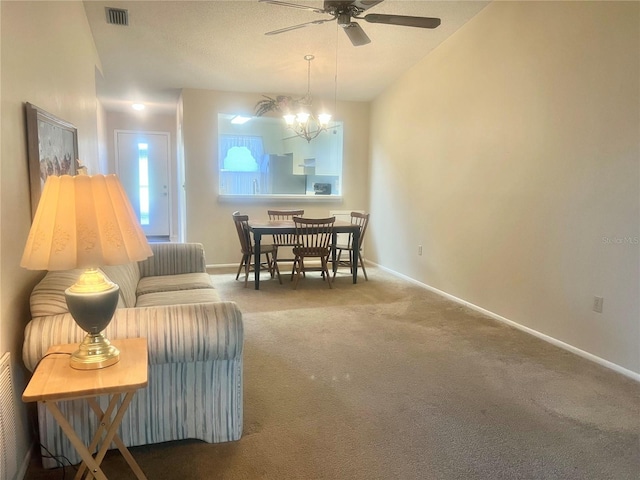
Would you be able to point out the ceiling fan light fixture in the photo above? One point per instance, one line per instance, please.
(344, 20)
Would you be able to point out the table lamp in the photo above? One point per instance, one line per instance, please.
(85, 222)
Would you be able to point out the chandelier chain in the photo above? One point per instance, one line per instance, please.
(307, 97)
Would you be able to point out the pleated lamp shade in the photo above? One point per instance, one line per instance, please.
(84, 221)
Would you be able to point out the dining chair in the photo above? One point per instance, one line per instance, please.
(361, 219)
(313, 238)
(248, 261)
(286, 240)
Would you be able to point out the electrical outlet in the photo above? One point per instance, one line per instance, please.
(419, 249)
(597, 304)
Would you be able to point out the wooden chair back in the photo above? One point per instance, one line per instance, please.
(362, 220)
(284, 239)
(313, 236)
(244, 234)
(284, 214)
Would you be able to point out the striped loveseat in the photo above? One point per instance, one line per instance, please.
(195, 344)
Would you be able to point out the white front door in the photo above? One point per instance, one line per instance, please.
(142, 164)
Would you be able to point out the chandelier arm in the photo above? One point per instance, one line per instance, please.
(302, 130)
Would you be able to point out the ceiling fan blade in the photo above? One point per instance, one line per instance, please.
(302, 25)
(293, 5)
(356, 34)
(406, 21)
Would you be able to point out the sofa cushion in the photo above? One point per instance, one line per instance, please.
(170, 283)
(173, 259)
(126, 277)
(178, 297)
(47, 297)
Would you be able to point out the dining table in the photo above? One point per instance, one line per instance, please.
(275, 227)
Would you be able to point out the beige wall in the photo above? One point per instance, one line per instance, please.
(48, 59)
(208, 219)
(511, 153)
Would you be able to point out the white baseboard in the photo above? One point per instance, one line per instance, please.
(554, 341)
(221, 265)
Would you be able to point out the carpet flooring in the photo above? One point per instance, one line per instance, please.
(386, 380)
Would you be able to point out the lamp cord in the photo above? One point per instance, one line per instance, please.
(48, 355)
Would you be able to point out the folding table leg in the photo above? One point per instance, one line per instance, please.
(111, 428)
(91, 463)
(117, 440)
(103, 418)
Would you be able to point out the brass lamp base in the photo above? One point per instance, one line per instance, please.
(94, 352)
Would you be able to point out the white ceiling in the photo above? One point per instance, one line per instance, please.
(220, 45)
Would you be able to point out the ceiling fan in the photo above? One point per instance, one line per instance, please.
(345, 10)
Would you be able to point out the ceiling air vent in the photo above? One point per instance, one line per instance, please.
(117, 16)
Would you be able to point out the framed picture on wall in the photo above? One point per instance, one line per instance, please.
(52, 149)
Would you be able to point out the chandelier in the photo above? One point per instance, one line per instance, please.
(303, 123)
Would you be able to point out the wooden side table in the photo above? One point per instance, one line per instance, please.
(54, 380)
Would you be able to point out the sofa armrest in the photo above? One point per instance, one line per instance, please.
(175, 333)
(173, 259)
